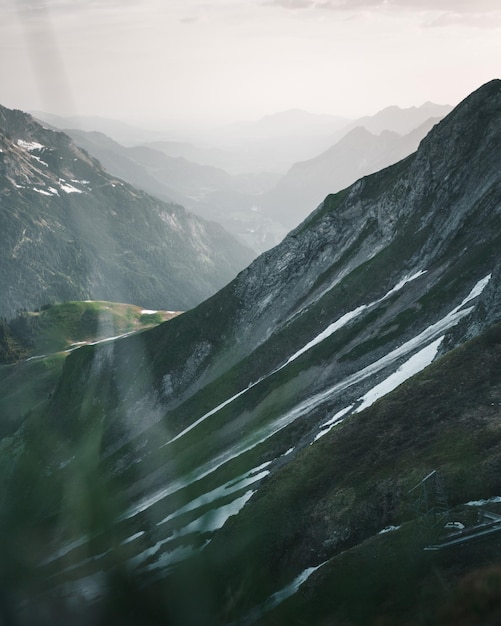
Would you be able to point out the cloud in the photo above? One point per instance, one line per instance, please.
(66, 6)
(292, 4)
(471, 20)
(453, 6)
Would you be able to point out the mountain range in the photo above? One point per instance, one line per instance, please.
(359, 153)
(261, 458)
(260, 208)
(71, 231)
(272, 143)
(208, 191)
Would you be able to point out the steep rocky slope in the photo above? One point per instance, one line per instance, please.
(71, 231)
(227, 454)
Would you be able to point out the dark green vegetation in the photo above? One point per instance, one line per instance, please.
(356, 481)
(70, 231)
(186, 474)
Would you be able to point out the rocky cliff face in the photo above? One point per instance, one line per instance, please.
(260, 402)
(71, 231)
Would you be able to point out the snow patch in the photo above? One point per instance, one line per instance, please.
(412, 366)
(338, 417)
(29, 145)
(388, 529)
(168, 559)
(33, 156)
(66, 187)
(278, 597)
(330, 330)
(133, 537)
(252, 476)
(493, 500)
(215, 519)
(209, 522)
(403, 282)
(211, 412)
(232, 486)
(477, 289)
(42, 192)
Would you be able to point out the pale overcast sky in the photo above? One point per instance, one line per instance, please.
(228, 60)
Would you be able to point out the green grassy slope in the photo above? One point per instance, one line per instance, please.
(327, 504)
(43, 339)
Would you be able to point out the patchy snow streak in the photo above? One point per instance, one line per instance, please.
(211, 412)
(493, 500)
(336, 419)
(347, 317)
(412, 366)
(232, 486)
(29, 145)
(237, 484)
(207, 523)
(67, 188)
(278, 597)
(388, 529)
(42, 192)
(330, 330)
(33, 156)
(133, 537)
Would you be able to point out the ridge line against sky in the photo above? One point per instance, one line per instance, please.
(216, 61)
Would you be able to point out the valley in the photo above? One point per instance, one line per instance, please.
(260, 179)
(253, 460)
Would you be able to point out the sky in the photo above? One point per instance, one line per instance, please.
(196, 62)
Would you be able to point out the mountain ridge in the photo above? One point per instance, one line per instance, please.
(251, 291)
(71, 231)
(358, 153)
(220, 428)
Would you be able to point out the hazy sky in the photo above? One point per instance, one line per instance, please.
(226, 60)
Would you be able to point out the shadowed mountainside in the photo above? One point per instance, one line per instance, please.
(70, 231)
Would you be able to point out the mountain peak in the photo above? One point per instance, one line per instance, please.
(485, 99)
(473, 125)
